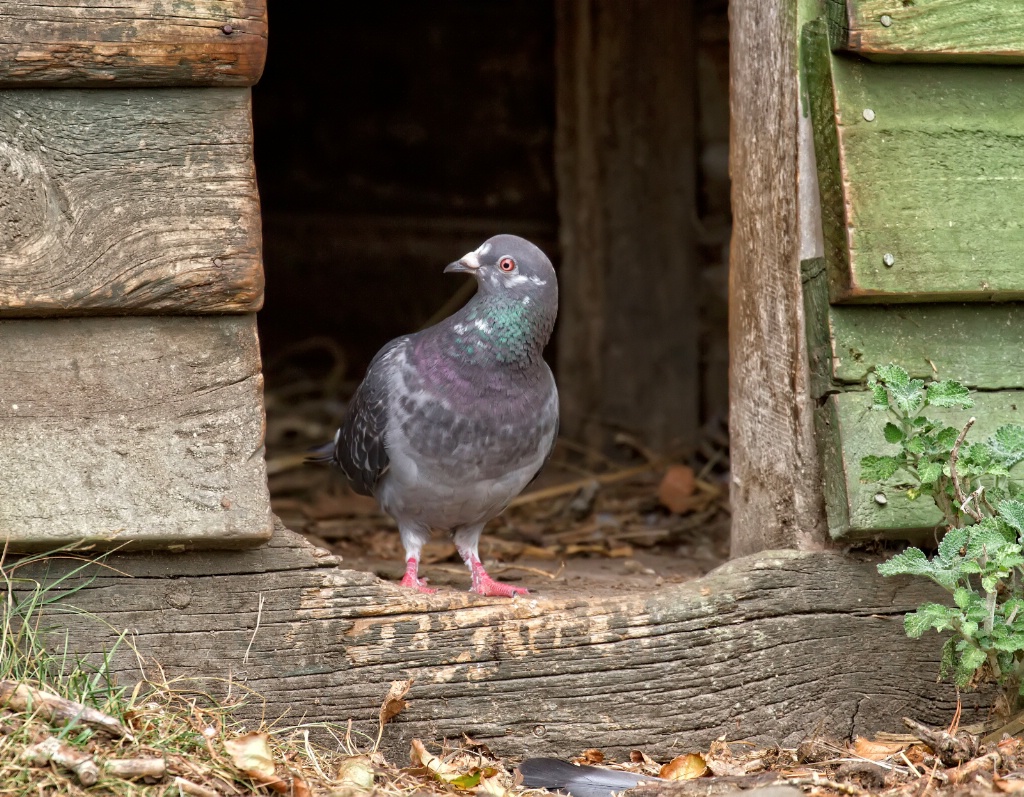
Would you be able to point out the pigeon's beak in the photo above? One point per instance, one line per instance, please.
(468, 263)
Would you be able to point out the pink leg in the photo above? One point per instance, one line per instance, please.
(483, 584)
(412, 580)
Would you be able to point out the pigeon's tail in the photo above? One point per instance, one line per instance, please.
(578, 781)
(322, 455)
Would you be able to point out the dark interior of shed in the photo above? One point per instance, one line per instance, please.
(393, 137)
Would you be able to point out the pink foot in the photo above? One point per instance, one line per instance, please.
(412, 580)
(483, 584)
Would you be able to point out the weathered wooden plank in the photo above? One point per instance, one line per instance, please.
(767, 648)
(132, 43)
(967, 342)
(849, 429)
(921, 174)
(141, 430)
(776, 497)
(625, 162)
(128, 201)
(980, 31)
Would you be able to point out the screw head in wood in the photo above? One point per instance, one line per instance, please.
(888, 259)
(886, 20)
(228, 30)
(869, 115)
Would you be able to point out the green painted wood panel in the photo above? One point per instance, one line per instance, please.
(983, 31)
(848, 429)
(981, 345)
(921, 171)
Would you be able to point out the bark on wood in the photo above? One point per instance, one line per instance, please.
(767, 648)
(988, 31)
(132, 430)
(850, 430)
(940, 221)
(128, 201)
(132, 43)
(776, 496)
(628, 356)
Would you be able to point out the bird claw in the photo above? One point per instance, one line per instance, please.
(485, 585)
(419, 584)
(411, 579)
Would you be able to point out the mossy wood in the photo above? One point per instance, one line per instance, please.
(548, 674)
(141, 431)
(921, 175)
(128, 201)
(132, 43)
(929, 30)
(849, 429)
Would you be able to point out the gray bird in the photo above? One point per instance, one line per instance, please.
(452, 422)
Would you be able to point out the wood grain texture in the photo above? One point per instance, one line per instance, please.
(128, 201)
(920, 162)
(767, 649)
(625, 163)
(132, 42)
(776, 495)
(985, 31)
(140, 430)
(850, 429)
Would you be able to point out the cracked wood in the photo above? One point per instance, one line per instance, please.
(767, 648)
(146, 431)
(132, 43)
(128, 201)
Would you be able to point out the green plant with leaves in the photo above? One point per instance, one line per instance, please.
(980, 559)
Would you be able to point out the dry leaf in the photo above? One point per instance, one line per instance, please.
(420, 756)
(685, 767)
(648, 765)
(1007, 786)
(299, 787)
(589, 756)
(492, 785)
(393, 703)
(356, 771)
(721, 762)
(251, 754)
(676, 489)
(877, 751)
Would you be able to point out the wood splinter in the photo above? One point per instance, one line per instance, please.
(52, 750)
(54, 708)
(135, 768)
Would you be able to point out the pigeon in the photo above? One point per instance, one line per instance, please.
(578, 781)
(452, 422)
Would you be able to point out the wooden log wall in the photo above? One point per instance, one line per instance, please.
(132, 43)
(662, 671)
(136, 199)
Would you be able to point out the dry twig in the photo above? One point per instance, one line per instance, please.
(957, 487)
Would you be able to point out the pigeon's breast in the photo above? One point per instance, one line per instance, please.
(462, 443)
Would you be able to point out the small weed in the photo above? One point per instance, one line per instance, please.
(980, 559)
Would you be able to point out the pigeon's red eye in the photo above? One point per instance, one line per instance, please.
(507, 264)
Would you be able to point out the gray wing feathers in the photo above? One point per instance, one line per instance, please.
(359, 448)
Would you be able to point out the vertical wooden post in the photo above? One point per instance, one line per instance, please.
(625, 160)
(776, 487)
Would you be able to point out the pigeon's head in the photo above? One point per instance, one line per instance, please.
(511, 266)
